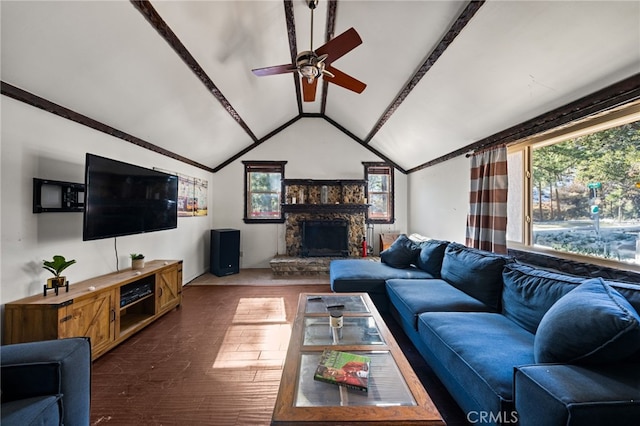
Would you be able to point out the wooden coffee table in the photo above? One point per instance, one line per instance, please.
(395, 396)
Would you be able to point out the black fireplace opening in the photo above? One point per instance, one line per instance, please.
(324, 238)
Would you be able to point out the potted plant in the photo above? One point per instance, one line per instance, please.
(137, 260)
(56, 266)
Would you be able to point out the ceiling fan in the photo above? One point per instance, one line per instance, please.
(313, 64)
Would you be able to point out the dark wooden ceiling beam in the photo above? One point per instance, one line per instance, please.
(156, 21)
(64, 112)
(329, 33)
(446, 41)
(611, 97)
(293, 48)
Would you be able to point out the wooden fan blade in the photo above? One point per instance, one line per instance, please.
(309, 90)
(344, 80)
(278, 69)
(340, 45)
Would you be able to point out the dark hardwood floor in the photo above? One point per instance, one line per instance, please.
(216, 360)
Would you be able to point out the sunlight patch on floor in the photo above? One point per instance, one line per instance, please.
(258, 337)
(260, 309)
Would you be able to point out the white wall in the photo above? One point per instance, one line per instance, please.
(313, 149)
(35, 143)
(438, 200)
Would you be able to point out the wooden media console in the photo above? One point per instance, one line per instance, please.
(108, 309)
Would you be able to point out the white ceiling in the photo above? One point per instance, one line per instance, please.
(513, 61)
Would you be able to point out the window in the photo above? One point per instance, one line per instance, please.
(263, 191)
(577, 191)
(379, 192)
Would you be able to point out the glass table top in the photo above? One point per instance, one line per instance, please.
(317, 304)
(387, 387)
(355, 331)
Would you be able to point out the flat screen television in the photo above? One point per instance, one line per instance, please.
(125, 199)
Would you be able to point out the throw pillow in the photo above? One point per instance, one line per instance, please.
(401, 254)
(593, 323)
(431, 255)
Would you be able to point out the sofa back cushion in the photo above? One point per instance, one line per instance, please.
(630, 291)
(431, 256)
(476, 272)
(529, 293)
(593, 323)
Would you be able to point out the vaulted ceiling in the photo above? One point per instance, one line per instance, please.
(442, 77)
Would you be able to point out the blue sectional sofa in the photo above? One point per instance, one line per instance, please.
(511, 342)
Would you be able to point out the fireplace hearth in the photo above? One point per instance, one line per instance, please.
(324, 238)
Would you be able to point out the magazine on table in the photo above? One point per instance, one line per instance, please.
(344, 369)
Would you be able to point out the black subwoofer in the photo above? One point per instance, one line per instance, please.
(225, 251)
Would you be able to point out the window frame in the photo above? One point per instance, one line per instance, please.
(262, 167)
(600, 122)
(369, 168)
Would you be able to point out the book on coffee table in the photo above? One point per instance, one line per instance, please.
(344, 369)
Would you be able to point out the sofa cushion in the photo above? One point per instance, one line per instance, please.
(402, 253)
(482, 348)
(38, 410)
(476, 272)
(431, 255)
(593, 323)
(413, 297)
(367, 275)
(528, 293)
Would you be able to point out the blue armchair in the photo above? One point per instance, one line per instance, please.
(46, 383)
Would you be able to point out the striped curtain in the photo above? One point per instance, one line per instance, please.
(487, 219)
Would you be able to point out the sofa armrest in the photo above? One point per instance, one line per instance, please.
(48, 368)
(572, 395)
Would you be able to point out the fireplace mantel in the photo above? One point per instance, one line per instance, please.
(330, 182)
(325, 208)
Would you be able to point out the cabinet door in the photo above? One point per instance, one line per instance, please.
(92, 317)
(169, 289)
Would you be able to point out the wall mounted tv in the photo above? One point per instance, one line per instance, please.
(124, 199)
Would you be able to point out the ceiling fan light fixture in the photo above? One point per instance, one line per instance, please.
(309, 72)
(311, 64)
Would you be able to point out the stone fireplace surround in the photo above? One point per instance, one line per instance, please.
(345, 201)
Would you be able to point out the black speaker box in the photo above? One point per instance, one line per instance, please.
(225, 251)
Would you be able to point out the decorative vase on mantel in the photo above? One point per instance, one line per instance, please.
(324, 194)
